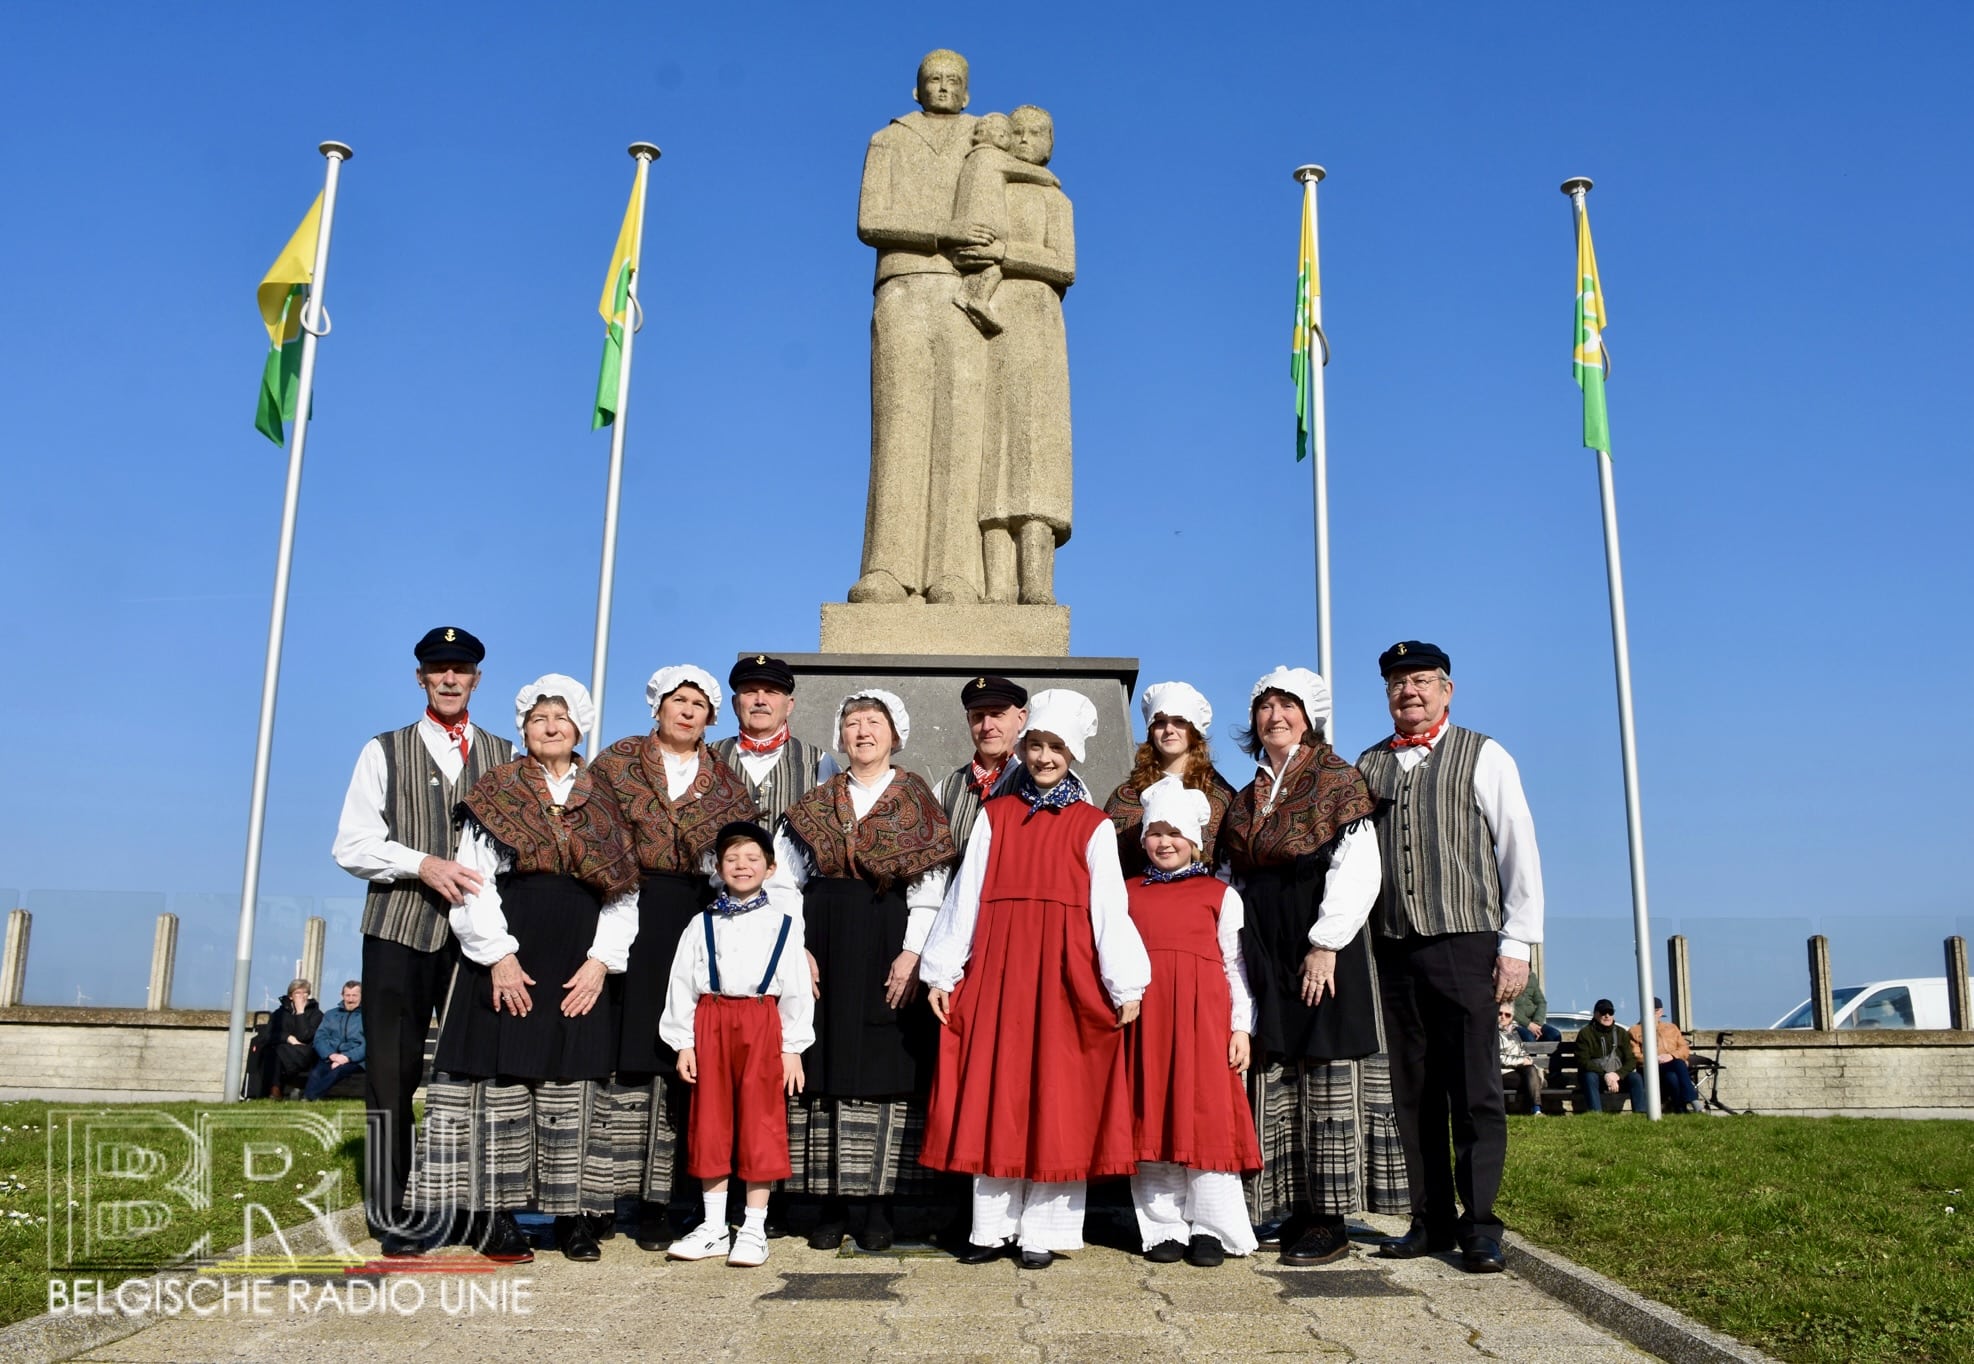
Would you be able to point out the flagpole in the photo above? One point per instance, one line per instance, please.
(1578, 189)
(1319, 358)
(315, 323)
(644, 153)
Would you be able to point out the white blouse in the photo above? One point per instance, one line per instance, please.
(1350, 887)
(481, 925)
(794, 865)
(744, 942)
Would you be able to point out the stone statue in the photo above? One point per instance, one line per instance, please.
(969, 469)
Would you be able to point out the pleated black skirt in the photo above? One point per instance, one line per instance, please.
(1281, 904)
(864, 1048)
(666, 904)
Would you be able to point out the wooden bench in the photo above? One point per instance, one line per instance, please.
(1559, 1089)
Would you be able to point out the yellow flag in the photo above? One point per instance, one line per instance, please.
(611, 305)
(294, 266)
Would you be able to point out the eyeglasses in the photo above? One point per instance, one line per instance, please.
(1423, 682)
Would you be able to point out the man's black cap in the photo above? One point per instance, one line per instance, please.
(1410, 655)
(756, 669)
(990, 690)
(744, 831)
(449, 644)
(1603, 1006)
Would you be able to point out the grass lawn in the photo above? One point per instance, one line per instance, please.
(327, 1161)
(1815, 1239)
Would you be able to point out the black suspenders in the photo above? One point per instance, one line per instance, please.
(713, 956)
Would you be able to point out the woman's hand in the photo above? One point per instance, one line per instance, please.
(901, 986)
(510, 987)
(815, 976)
(583, 988)
(792, 1078)
(1319, 975)
(1127, 1013)
(1239, 1047)
(689, 1065)
(938, 998)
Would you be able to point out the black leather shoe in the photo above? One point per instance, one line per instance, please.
(573, 1235)
(1283, 1233)
(1206, 1252)
(1320, 1245)
(979, 1255)
(875, 1234)
(505, 1243)
(826, 1236)
(602, 1225)
(1166, 1253)
(654, 1228)
(394, 1245)
(1417, 1241)
(1037, 1259)
(1482, 1255)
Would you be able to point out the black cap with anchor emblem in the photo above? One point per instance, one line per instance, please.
(449, 644)
(1411, 655)
(761, 670)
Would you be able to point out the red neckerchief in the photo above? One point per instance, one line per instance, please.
(768, 745)
(1426, 740)
(982, 779)
(456, 733)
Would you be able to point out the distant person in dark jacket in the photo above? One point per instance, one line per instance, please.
(1604, 1063)
(284, 1052)
(338, 1043)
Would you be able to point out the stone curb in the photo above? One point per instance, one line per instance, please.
(1649, 1325)
(48, 1337)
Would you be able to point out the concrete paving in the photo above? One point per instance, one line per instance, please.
(803, 1305)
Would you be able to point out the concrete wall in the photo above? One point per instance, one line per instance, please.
(1887, 1073)
(109, 1055)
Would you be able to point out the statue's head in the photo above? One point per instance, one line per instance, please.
(995, 129)
(1034, 134)
(941, 82)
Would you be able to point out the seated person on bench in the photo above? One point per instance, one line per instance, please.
(1519, 1073)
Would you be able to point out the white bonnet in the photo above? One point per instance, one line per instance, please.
(1069, 715)
(894, 706)
(574, 695)
(666, 681)
(1180, 700)
(1170, 801)
(1306, 687)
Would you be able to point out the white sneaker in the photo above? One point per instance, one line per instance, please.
(750, 1248)
(703, 1242)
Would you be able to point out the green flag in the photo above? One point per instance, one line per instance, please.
(615, 306)
(281, 295)
(1591, 362)
(1302, 361)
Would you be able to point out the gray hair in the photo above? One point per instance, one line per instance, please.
(299, 983)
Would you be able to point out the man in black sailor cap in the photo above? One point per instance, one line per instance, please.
(996, 712)
(779, 768)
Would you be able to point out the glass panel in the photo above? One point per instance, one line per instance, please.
(1890, 1007)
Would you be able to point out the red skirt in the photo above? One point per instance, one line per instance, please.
(1031, 1081)
(1190, 1108)
(739, 1121)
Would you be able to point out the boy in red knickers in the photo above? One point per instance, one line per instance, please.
(739, 1013)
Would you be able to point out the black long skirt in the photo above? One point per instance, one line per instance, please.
(553, 917)
(666, 904)
(864, 1048)
(1281, 904)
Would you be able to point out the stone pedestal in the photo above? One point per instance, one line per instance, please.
(930, 686)
(969, 631)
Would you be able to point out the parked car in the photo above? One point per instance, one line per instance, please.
(1920, 1002)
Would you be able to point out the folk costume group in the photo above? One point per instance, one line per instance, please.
(754, 965)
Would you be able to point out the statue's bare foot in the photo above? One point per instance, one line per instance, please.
(988, 324)
(1038, 596)
(952, 592)
(878, 586)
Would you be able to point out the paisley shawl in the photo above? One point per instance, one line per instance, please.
(1126, 809)
(1321, 796)
(671, 835)
(584, 837)
(904, 834)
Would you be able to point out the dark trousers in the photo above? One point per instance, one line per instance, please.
(402, 989)
(324, 1077)
(1441, 1032)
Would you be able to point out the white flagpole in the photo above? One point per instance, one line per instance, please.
(1319, 357)
(645, 153)
(1578, 188)
(315, 324)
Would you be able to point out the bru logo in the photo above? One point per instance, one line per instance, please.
(140, 1190)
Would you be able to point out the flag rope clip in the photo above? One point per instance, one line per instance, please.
(1316, 330)
(637, 312)
(321, 312)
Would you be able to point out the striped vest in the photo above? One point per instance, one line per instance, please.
(1440, 872)
(961, 802)
(418, 805)
(797, 771)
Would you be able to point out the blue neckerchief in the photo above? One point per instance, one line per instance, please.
(1060, 796)
(725, 904)
(1155, 877)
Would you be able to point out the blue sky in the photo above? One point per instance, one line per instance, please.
(1781, 216)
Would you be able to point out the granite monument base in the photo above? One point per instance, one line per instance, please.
(917, 627)
(930, 687)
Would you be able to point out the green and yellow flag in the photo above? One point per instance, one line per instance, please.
(615, 305)
(282, 292)
(1302, 359)
(1590, 360)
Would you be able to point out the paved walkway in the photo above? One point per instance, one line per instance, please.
(804, 1305)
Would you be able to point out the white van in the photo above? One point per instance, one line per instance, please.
(1919, 1003)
